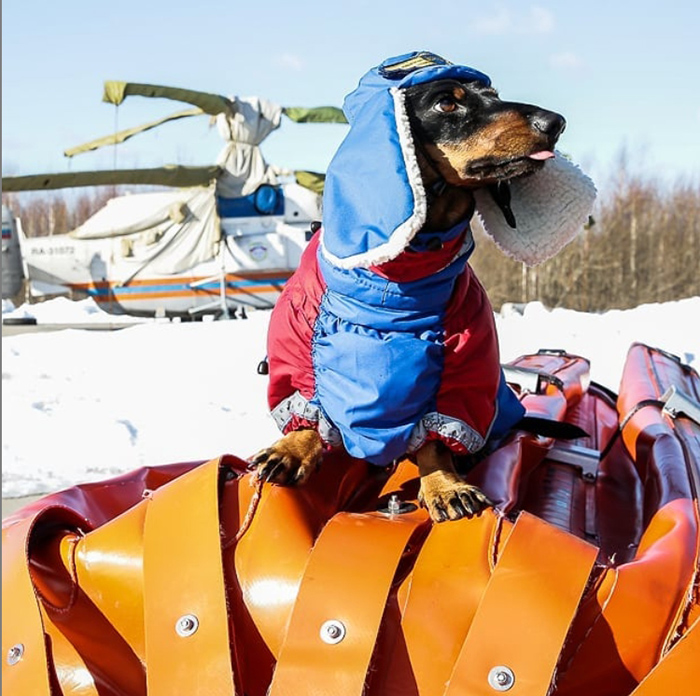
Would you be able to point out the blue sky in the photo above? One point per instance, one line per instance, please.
(623, 74)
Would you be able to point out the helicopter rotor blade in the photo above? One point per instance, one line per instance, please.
(317, 114)
(173, 175)
(115, 92)
(127, 133)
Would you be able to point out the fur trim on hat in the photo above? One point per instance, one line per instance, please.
(402, 235)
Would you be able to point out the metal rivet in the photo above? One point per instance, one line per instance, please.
(395, 506)
(501, 678)
(332, 631)
(187, 625)
(14, 654)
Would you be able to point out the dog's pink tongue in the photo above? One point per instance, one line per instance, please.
(541, 155)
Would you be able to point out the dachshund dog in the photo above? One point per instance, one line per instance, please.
(464, 138)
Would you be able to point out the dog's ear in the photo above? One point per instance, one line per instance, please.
(500, 192)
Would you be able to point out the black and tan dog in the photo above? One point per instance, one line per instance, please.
(419, 372)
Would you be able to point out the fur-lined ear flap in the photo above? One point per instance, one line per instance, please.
(500, 192)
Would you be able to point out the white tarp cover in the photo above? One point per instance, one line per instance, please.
(168, 232)
(241, 159)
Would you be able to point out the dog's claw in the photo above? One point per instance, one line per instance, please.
(294, 477)
(270, 465)
(461, 508)
(261, 459)
(274, 470)
(289, 461)
(473, 501)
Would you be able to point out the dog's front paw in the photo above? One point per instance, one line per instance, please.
(291, 460)
(446, 497)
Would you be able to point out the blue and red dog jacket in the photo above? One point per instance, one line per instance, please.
(384, 338)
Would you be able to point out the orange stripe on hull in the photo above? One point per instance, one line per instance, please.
(164, 295)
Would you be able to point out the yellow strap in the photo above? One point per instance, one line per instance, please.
(186, 618)
(24, 665)
(340, 604)
(524, 615)
(678, 672)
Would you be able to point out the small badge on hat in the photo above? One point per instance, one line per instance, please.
(399, 70)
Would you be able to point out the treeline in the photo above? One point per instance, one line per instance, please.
(58, 212)
(643, 245)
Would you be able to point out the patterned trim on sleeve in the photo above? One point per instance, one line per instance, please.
(296, 408)
(455, 433)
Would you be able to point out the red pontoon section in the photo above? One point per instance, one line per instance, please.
(193, 579)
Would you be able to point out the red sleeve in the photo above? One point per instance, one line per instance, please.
(291, 328)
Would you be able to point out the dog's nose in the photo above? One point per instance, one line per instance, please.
(549, 123)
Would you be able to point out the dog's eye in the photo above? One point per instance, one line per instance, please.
(446, 104)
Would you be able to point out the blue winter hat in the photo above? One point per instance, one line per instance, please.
(374, 201)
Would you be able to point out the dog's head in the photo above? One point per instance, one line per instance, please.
(473, 138)
(419, 123)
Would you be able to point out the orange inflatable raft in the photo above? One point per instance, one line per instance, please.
(193, 579)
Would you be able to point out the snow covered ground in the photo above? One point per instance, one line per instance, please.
(85, 405)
